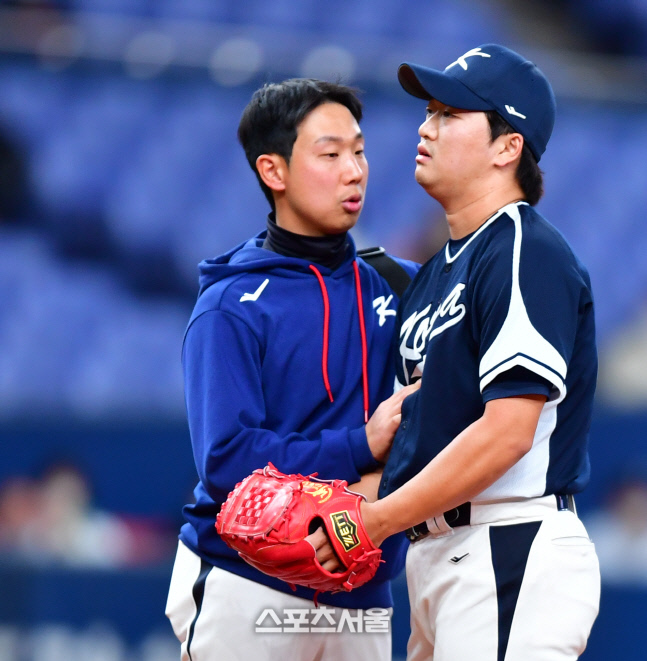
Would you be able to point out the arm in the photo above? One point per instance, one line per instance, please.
(473, 461)
(368, 485)
(224, 390)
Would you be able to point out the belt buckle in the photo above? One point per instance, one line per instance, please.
(415, 533)
(565, 502)
(412, 534)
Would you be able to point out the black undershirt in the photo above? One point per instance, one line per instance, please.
(329, 251)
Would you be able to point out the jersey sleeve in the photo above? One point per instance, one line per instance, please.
(526, 302)
(516, 381)
(222, 360)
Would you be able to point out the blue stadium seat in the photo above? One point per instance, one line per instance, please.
(618, 26)
(74, 342)
(198, 10)
(133, 7)
(32, 102)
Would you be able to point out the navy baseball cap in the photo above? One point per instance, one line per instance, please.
(491, 77)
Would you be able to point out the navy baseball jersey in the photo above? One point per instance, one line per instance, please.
(505, 311)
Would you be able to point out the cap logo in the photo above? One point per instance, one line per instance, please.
(462, 60)
(512, 111)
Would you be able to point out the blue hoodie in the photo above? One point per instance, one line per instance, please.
(281, 364)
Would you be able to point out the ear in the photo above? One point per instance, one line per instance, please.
(509, 148)
(272, 170)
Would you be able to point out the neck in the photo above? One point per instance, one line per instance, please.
(463, 218)
(285, 217)
(329, 251)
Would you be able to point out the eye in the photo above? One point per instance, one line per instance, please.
(359, 152)
(330, 155)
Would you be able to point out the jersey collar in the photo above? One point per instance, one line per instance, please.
(449, 258)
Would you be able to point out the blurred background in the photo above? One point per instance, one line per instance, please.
(120, 171)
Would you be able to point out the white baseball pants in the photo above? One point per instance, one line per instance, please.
(521, 583)
(219, 616)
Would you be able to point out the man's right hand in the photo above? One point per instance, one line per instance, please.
(381, 428)
(324, 550)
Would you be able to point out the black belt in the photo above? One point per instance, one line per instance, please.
(460, 516)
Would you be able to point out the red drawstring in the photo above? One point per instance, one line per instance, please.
(324, 357)
(362, 330)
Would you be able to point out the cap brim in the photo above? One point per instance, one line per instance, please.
(429, 84)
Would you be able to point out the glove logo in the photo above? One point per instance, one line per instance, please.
(345, 529)
(318, 490)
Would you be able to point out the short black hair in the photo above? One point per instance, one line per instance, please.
(269, 122)
(529, 176)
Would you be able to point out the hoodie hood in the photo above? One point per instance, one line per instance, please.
(250, 256)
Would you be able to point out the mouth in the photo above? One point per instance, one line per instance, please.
(352, 204)
(423, 155)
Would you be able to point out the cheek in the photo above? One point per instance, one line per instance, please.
(313, 187)
(469, 152)
(321, 182)
(451, 158)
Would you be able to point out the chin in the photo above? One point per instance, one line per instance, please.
(419, 173)
(345, 224)
(351, 224)
(423, 180)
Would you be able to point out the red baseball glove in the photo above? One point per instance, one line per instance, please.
(268, 515)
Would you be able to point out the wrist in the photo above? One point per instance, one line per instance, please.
(376, 524)
(361, 450)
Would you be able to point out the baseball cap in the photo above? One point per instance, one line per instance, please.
(491, 77)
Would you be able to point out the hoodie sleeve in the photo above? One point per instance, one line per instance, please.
(222, 360)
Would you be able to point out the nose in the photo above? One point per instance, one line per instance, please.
(355, 169)
(429, 128)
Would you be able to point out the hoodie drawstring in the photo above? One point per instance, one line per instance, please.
(362, 328)
(324, 357)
